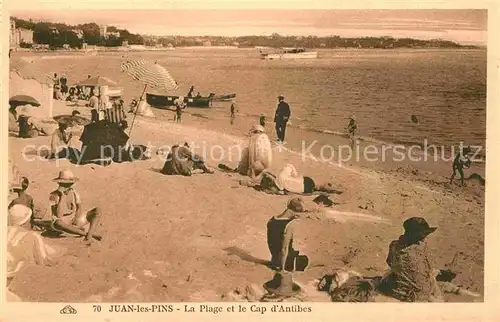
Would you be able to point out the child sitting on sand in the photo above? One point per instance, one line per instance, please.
(67, 214)
(23, 198)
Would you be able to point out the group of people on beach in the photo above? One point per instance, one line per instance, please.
(412, 275)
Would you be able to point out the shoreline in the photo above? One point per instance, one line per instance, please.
(187, 209)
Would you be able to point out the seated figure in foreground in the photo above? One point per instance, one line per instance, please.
(67, 213)
(412, 275)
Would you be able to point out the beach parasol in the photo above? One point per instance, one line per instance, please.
(18, 100)
(97, 81)
(150, 74)
(72, 120)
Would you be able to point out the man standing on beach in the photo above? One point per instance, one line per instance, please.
(281, 117)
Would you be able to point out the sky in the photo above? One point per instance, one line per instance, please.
(465, 26)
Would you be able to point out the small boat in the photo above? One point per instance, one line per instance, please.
(290, 53)
(163, 101)
(224, 97)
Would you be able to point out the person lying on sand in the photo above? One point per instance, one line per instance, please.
(67, 213)
(412, 271)
(460, 162)
(289, 182)
(181, 161)
(257, 157)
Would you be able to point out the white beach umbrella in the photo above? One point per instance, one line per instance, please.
(150, 74)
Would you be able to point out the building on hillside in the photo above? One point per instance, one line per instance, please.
(103, 30)
(18, 36)
(78, 33)
(112, 33)
(25, 36)
(13, 39)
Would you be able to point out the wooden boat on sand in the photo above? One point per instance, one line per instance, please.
(164, 101)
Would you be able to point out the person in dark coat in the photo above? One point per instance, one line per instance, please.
(281, 118)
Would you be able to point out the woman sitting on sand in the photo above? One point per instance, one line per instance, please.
(59, 144)
(182, 161)
(257, 157)
(67, 213)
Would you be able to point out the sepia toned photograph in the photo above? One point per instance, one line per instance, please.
(251, 155)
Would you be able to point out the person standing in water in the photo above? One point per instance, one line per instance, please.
(352, 127)
(281, 117)
(233, 110)
(460, 162)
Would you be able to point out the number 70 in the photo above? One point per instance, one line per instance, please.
(97, 308)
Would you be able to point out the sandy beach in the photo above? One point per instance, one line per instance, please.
(173, 238)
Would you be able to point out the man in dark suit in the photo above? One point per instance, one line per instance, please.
(281, 117)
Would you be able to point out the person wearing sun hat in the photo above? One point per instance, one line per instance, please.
(67, 213)
(412, 271)
(280, 235)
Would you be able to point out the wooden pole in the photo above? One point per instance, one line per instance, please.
(136, 109)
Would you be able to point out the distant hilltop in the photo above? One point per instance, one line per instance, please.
(59, 35)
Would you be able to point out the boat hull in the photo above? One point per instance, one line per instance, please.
(160, 101)
(224, 97)
(306, 55)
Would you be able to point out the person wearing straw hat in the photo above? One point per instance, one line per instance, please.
(67, 213)
(412, 271)
(280, 234)
(281, 118)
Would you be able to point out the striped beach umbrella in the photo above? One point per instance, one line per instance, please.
(151, 74)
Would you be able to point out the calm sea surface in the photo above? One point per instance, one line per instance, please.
(445, 89)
